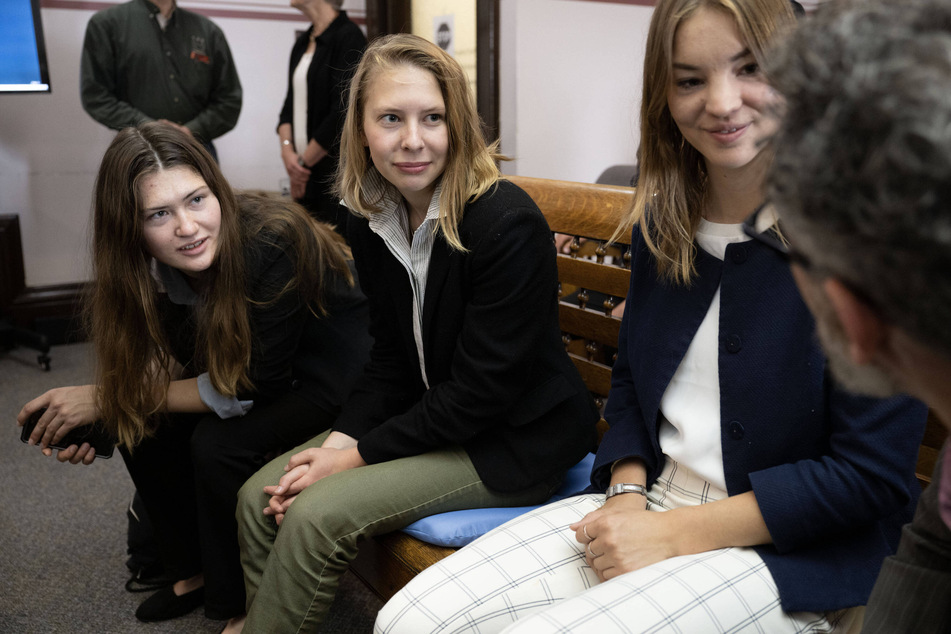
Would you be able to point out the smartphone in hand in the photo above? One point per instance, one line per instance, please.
(94, 434)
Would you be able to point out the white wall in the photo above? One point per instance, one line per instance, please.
(570, 82)
(50, 148)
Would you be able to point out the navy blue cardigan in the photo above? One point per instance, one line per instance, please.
(833, 473)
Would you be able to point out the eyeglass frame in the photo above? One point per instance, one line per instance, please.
(772, 240)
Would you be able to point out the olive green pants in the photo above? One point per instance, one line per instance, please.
(292, 572)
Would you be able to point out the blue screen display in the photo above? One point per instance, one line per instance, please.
(22, 51)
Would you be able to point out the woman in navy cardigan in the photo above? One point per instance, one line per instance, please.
(738, 487)
(469, 399)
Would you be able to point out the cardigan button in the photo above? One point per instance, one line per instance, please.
(737, 431)
(295, 384)
(738, 253)
(734, 343)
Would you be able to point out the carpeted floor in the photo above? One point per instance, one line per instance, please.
(62, 529)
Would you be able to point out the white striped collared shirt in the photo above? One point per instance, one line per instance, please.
(412, 251)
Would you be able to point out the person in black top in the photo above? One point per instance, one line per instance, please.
(145, 61)
(322, 62)
(227, 328)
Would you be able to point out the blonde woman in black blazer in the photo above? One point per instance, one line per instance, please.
(468, 399)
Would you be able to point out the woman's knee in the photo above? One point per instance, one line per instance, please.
(400, 617)
(208, 444)
(252, 492)
(252, 499)
(318, 516)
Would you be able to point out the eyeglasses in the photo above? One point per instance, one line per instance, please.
(771, 238)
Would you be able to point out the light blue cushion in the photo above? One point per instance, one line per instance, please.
(457, 528)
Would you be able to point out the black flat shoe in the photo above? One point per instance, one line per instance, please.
(139, 583)
(165, 605)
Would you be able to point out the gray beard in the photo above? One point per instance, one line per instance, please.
(865, 379)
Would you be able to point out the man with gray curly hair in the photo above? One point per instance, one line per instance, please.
(862, 184)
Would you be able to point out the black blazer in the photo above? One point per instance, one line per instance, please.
(291, 348)
(501, 384)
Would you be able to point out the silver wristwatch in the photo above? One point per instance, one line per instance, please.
(623, 487)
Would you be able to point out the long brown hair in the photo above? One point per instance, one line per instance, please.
(471, 167)
(134, 362)
(668, 202)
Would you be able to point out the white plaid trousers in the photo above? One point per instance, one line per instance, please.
(529, 577)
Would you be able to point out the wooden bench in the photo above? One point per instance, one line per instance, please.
(593, 269)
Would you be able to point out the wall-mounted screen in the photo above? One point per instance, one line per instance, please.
(23, 65)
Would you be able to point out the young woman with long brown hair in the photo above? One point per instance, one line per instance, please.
(226, 327)
(738, 488)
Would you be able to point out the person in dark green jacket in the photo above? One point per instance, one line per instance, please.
(145, 61)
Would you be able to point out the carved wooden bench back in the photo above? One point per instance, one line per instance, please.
(593, 278)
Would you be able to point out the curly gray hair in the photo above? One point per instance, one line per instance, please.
(862, 174)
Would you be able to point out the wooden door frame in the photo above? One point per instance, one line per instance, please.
(395, 16)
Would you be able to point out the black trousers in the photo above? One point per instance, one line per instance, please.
(188, 475)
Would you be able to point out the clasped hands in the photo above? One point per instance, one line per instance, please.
(297, 166)
(337, 453)
(297, 171)
(623, 536)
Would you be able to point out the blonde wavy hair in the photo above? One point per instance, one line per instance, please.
(668, 202)
(471, 167)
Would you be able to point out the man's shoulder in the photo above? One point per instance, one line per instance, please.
(192, 18)
(121, 11)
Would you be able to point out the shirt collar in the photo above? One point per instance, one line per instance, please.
(377, 188)
(155, 11)
(175, 284)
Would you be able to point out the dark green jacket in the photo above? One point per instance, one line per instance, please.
(132, 71)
